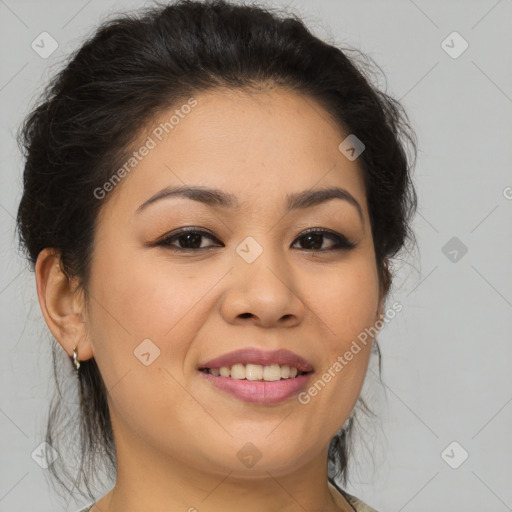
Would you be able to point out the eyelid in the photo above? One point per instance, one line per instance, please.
(165, 240)
(347, 243)
(343, 242)
(184, 231)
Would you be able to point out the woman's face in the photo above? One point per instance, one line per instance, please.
(252, 279)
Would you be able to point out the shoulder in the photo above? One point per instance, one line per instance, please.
(358, 505)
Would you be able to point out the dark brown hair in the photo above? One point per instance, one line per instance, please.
(137, 66)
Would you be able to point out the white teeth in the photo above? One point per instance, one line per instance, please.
(238, 371)
(270, 373)
(253, 372)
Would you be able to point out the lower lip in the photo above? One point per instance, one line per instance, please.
(259, 392)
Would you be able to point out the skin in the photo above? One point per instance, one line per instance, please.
(177, 437)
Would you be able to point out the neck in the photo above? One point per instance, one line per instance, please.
(148, 481)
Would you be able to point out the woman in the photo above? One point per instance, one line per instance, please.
(212, 197)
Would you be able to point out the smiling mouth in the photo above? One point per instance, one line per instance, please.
(256, 372)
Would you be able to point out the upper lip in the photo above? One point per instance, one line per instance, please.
(256, 356)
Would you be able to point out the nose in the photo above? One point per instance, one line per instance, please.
(263, 293)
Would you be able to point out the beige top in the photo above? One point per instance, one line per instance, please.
(358, 505)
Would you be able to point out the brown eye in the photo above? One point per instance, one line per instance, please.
(314, 238)
(188, 239)
(191, 239)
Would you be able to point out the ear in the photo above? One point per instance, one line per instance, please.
(380, 310)
(384, 286)
(62, 307)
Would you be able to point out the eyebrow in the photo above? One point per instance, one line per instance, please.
(218, 198)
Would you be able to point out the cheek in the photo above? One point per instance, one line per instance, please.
(347, 301)
(133, 293)
(133, 302)
(347, 305)
(137, 298)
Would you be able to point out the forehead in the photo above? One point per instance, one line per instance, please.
(255, 145)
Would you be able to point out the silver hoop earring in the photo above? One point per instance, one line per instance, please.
(76, 362)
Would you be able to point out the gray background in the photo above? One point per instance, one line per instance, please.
(446, 356)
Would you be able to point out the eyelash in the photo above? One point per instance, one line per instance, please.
(342, 243)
